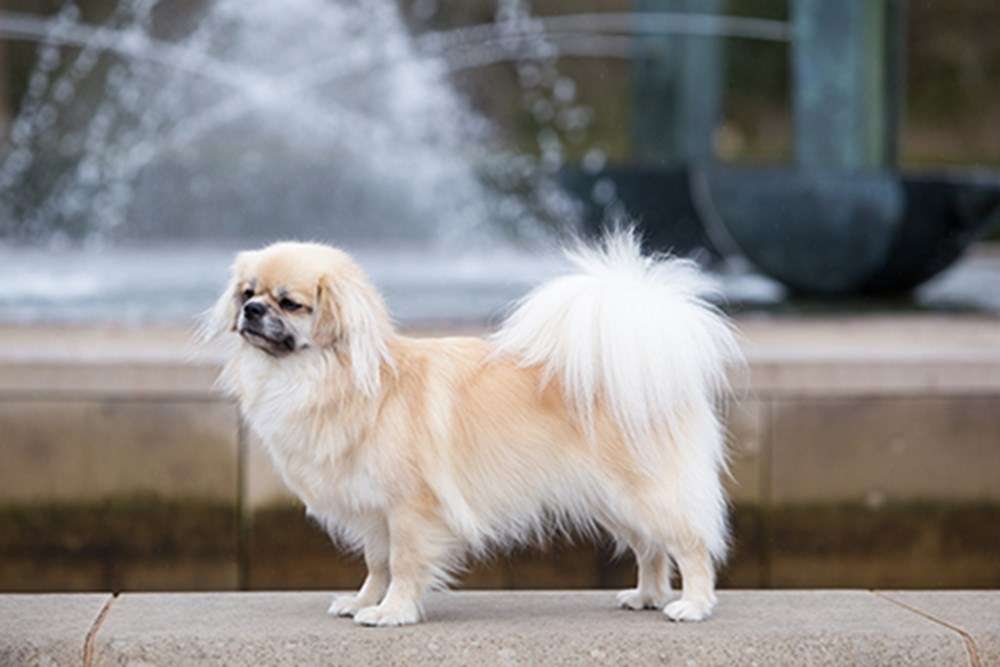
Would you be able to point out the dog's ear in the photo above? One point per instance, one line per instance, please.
(327, 326)
(351, 320)
(222, 316)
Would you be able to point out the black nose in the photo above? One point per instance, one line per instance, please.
(253, 310)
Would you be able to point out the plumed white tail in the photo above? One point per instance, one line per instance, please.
(636, 331)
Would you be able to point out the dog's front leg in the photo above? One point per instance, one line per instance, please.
(376, 540)
(420, 546)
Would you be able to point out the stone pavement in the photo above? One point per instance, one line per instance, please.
(812, 627)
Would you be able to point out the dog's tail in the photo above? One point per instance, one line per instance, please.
(635, 332)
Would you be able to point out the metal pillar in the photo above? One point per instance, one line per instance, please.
(677, 89)
(847, 75)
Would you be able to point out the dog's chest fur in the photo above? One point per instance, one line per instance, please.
(313, 453)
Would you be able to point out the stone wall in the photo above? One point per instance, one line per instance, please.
(858, 460)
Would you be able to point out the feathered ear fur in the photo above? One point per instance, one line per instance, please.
(221, 317)
(352, 320)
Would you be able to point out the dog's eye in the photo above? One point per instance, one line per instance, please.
(289, 305)
(247, 294)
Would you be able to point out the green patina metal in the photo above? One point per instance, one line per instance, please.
(676, 89)
(846, 62)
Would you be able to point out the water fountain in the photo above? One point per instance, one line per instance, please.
(247, 127)
(204, 122)
(150, 145)
(844, 220)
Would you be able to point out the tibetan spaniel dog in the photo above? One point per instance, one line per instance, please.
(594, 407)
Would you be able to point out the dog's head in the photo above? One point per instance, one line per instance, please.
(291, 297)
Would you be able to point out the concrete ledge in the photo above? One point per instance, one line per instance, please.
(558, 628)
(899, 355)
(48, 629)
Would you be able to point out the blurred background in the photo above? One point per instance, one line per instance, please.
(836, 165)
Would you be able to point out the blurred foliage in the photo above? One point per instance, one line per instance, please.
(757, 123)
(953, 86)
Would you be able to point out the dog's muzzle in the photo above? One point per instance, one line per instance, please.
(259, 327)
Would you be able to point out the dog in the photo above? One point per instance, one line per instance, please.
(595, 407)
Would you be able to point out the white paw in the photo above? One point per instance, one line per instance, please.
(384, 616)
(633, 598)
(688, 610)
(346, 605)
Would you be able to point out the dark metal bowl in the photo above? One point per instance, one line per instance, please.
(657, 200)
(823, 233)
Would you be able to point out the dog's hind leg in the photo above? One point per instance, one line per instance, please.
(661, 530)
(691, 513)
(667, 534)
(375, 533)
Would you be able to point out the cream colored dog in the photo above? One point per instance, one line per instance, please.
(593, 407)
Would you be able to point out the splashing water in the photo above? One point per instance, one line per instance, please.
(245, 122)
(306, 117)
(302, 118)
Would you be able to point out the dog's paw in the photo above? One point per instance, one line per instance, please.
(688, 610)
(346, 605)
(635, 599)
(383, 616)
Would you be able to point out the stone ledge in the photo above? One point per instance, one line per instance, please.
(906, 355)
(552, 628)
(48, 629)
